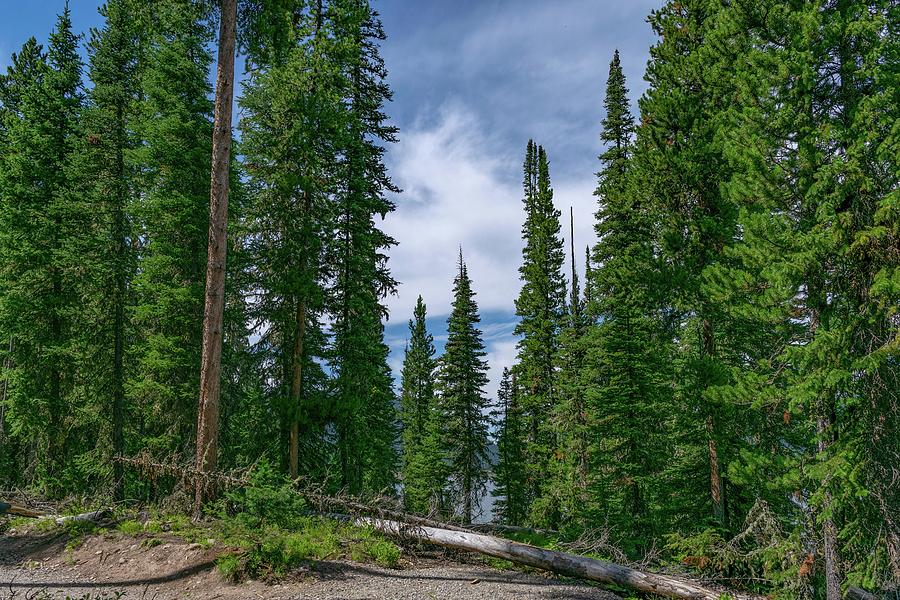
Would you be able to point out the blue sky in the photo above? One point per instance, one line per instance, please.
(473, 80)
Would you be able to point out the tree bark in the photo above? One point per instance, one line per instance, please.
(214, 306)
(571, 565)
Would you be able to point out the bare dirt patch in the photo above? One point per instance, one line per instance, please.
(111, 566)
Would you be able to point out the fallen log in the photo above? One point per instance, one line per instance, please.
(496, 527)
(92, 516)
(857, 593)
(8, 508)
(571, 565)
(358, 508)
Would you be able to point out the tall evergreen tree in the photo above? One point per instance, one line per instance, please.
(622, 364)
(176, 128)
(461, 380)
(540, 307)
(41, 222)
(289, 101)
(680, 157)
(365, 411)
(571, 415)
(423, 462)
(814, 256)
(109, 156)
(510, 506)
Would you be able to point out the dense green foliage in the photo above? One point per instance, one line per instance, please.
(462, 375)
(423, 458)
(724, 389)
(540, 307)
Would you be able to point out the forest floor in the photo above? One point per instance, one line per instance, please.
(109, 565)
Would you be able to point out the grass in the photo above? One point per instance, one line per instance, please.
(274, 551)
(269, 548)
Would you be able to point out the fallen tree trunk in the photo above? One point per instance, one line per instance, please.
(562, 563)
(8, 508)
(496, 527)
(856, 593)
(93, 516)
(22, 511)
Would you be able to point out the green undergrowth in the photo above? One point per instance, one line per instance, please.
(266, 532)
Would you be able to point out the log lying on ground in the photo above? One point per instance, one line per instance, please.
(857, 593)
(8, 508)
(571, 565)
(92, 516)
(22, 511)
(495, 527)
(360, 508)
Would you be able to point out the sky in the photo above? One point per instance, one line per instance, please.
(473, 81)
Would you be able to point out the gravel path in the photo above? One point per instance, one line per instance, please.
(110, 568)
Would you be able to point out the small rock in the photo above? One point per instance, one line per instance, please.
(98, 552)
(133, 547)
(122, 561)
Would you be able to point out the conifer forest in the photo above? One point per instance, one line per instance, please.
(195, 271)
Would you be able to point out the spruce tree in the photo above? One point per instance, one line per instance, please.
(622, 365)
(510, 506)
(289, 151)
(461, 380)
(682, 168)
(570, 418)
(423, 462)
(172, 218)
(109, 162)
(810, 275)
(365, 402)
(540, 307)
(41, 224)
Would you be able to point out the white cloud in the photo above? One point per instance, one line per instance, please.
(456, 193)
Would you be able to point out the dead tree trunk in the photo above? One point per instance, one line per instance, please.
(214, 306)
(562, 563)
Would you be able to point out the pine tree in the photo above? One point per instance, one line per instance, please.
(510, 506)
(110, 124)
(461, 380)
(540, 307)
(622, 366)
(804, 281)
(172, 217)
(570, 418)
(365, 414)
(682, 170)
(289, 150)
(41, 222)
(423, 462)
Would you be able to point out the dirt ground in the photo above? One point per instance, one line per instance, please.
(109, 567)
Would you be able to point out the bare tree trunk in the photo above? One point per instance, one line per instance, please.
(563, 563)
(211, 360)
